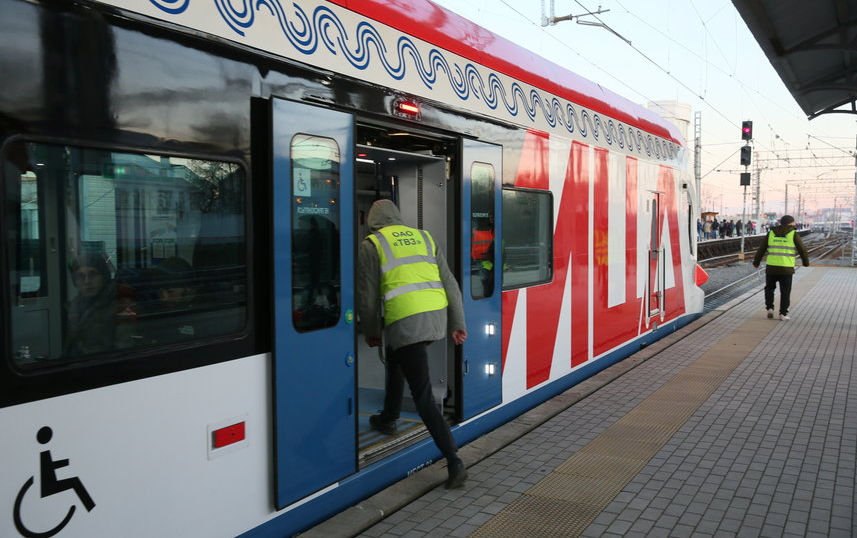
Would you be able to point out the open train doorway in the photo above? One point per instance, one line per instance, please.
(413, 170)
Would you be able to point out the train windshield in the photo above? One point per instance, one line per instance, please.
(112, 251)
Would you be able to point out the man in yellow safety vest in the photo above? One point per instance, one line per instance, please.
(783, 244)
(402, 275)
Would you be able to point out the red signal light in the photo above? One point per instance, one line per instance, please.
(747, 130)
(408, 108)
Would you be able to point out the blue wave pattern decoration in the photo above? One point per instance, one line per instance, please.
(361, 46)
(173, 7)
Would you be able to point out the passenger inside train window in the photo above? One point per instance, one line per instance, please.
(482, 233)
(321, 290)
(173, 279)
(316, 281)
(97, 315)
(144, 213)
(482, 257)
(177, 313)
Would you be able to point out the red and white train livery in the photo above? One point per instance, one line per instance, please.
(185, 183)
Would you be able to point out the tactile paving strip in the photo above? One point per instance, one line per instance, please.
(568, 499)
(532, 517)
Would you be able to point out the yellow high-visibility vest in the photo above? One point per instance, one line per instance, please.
(781, 249)
(410, 277)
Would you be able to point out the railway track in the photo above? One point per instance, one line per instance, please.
(831, 249)
(820, 248)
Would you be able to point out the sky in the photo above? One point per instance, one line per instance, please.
(698, 52)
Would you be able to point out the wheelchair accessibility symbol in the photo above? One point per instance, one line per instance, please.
(50, 485)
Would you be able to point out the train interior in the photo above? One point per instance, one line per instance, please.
(413, 170)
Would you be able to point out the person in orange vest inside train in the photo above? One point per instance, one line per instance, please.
(482, 252)
(403, 278)
(782, 247)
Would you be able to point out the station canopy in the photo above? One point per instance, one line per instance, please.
(812, 44)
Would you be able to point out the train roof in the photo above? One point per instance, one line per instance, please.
(428, 21)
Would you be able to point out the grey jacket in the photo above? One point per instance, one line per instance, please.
(423, 327)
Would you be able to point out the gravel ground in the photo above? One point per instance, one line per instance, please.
(719, 277)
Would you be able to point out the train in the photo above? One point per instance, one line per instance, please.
(185, 184)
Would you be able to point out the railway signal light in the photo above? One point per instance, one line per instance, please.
(747, 130)
(745, 155)
(745, 178)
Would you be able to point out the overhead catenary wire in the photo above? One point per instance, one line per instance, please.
(697, 94)
(775, 154)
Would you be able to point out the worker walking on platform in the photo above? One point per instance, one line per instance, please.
(782, 246)
(403, 274)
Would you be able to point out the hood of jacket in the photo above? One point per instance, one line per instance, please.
(782, 230)
(383, 213)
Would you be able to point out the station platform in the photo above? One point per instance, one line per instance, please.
(736, 425)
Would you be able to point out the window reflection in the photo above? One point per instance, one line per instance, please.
(114, 250)
(482, 230)
(315, 232)
(30, 261)
(527, 237)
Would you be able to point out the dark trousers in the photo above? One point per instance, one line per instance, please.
(411, 363)
(785, 291)
(487, 277)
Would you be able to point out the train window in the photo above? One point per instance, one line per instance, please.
(693, 230)
(655, 236)
(527, 237)
(315, 232)
(482, 236)
(29, 265)
(109, 251)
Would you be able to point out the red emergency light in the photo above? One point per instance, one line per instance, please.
(408, 108)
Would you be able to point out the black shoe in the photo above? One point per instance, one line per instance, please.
(457, 475)
(377, 423)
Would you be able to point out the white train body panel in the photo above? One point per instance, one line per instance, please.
(140, 439)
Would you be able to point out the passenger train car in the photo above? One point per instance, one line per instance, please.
(184, 185)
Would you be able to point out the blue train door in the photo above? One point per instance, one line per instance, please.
(481, 272)
(314, 371)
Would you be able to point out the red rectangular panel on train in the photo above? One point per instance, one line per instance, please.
(228, 435)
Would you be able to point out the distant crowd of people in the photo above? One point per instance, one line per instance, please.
(720, 229)
(714, 229)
